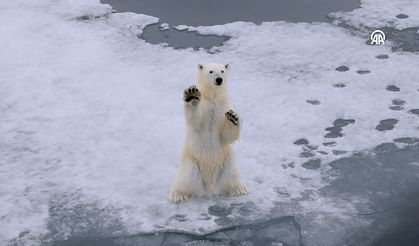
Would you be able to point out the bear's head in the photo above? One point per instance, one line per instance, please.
(212, 75)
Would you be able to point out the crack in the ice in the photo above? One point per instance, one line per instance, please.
(260, 233)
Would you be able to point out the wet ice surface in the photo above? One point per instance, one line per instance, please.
(85, 104)
(182, 39)
(387, 177)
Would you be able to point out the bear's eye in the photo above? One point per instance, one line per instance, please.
(222, 71)
(211, 71)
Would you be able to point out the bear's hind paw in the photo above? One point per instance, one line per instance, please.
(236, 190)
(178, 197)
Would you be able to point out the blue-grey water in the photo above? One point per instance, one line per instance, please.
(210, 12)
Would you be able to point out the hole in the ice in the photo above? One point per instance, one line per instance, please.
(339, 85)
(397, 104)
(402, 16)
(386, 125)
(182, 39)
(414, 111)
(301, 141)
(382, 57)
(313, 102)
(306, 154)
(392, 88)
(335, 131)
(207, 13)
(322, 152)
(363, 71)
(312, 164)
(342, 68)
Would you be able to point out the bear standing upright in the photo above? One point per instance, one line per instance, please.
(208, 164)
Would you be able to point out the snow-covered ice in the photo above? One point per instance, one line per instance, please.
(381, 13)
(92, 116)
(181, 27)
(164, 26)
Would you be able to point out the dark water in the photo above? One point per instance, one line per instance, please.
(182, 39)
(211, 12)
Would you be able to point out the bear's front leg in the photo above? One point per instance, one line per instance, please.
(230, 131)
(192, 97)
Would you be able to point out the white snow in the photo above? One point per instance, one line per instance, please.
(164, 26)
(381, 13)
(181, 27)
(88, 109)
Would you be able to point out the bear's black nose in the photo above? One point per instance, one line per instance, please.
(219, 81)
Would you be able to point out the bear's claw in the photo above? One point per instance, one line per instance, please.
(233, 117)
(237, 190)
(191, 94)
(177, 197)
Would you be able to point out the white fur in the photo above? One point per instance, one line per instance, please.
(208, 164)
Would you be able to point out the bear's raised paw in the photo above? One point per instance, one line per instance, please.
(233, 117)
(191, 94)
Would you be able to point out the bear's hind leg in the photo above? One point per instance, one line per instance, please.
(229, 181)
(187, 183)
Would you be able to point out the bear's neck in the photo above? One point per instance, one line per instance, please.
(213, 95)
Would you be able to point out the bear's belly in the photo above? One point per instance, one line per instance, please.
(204, 144)
(206, 147)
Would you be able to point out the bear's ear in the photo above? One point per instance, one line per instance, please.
(200, 66)
(226, 66)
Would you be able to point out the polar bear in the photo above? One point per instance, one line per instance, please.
(208, 165)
